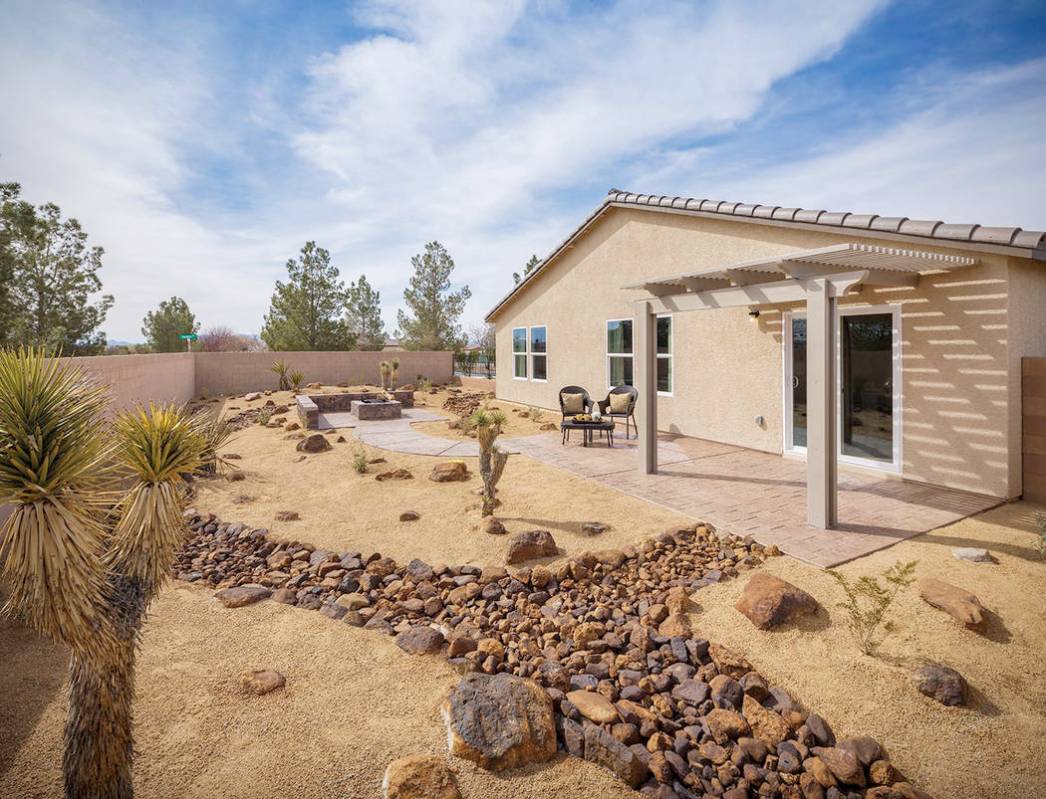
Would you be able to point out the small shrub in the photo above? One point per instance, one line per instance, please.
(216, 431)
(359, 461)
(867, 602)
(205, 393)
(535, 413)
(297, 381)
(424, 384)
(1040, 522)
(279, 368)
(264, 415)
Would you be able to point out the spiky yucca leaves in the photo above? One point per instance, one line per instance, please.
(279, 368)
(492, 460)
(53, 463)
(216, 431)
(297, 381)
(157, 446)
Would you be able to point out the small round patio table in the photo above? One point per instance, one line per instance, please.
(604, 426)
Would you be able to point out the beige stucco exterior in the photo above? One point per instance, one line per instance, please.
(962, 336)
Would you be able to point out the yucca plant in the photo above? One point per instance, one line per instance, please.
(216, 431)
(96, 524)
(492, 460)
(280, 369)
(297, 381)
(385, 370)
(394, 370)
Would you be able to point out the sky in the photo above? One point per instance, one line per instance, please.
(202, 144)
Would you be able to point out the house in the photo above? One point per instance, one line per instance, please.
(853, 341)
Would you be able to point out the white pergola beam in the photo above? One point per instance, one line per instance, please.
(644, 337)
(821, 477)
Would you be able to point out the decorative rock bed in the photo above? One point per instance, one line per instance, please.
(603, 633)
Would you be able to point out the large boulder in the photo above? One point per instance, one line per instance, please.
(941, 683)
(317, 442)
(956, 602)
(768, 601)
(499, 721)
(449, 472)
(531, 544)
(419, 777)
(242, 595)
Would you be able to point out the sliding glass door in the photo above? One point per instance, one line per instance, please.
(868, 361)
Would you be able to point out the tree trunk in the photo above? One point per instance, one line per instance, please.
(99, 742)
(491, 464)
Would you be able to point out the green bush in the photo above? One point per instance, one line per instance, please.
(359, 461)
(867, 602)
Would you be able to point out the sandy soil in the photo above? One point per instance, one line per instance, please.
(353, 702)
(343, 510)
(995, 749)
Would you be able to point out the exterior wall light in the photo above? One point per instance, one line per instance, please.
(753, 314)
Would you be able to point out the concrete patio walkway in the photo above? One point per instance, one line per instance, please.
(738, 490)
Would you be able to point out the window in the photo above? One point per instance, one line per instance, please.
(539, 353)
(619, 353)
(664, 354)
(620, 356)
(519, 353)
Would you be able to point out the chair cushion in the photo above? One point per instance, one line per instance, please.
(573, 403)
(619, 403)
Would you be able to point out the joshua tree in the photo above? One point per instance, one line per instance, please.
(94, 530)
(280, 370)
(491, 459)
(385, 368)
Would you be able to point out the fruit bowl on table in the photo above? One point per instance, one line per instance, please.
(585, 418)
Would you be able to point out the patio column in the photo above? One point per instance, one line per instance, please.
(821, 405)
(644, 332)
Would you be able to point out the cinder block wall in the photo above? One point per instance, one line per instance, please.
(237, 372)
(178, 377)
(139, 379)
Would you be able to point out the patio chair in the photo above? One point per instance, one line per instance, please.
(586, 403)
(630, 413)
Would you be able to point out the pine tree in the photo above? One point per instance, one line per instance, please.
(434, 310)
(47, 276)
(305, 312)
(363, 315)
(530, 267)
(163, 327)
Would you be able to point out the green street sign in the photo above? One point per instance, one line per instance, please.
(188, 337)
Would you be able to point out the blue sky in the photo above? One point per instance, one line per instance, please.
(202, 144)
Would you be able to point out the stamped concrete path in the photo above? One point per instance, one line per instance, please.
(739, 490)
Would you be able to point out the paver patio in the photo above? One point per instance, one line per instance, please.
(740, 490)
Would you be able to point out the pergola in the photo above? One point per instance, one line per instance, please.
(817, 278)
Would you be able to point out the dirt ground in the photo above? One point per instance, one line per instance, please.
(353, 702)
(343, 510)
(995, 749)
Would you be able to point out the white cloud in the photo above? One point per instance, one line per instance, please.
(495, 129)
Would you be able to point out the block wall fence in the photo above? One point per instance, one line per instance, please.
(178, 377)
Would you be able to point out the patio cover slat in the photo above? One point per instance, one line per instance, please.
(838, 257)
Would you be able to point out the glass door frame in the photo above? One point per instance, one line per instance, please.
(894, 466)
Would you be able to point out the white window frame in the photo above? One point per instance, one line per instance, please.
(609, 354)
(669, 356)
(531, 355)
(897, 465)
(525, 354)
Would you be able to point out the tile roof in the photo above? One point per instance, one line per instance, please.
(1015, 240)
(931, 229)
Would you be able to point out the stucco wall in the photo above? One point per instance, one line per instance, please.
(956, 363)
(1027, 335)
(237, 372)
(137, 379)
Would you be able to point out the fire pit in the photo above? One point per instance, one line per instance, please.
(372, 408)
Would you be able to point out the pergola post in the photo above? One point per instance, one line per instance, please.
(821, 420)
(644, 331)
